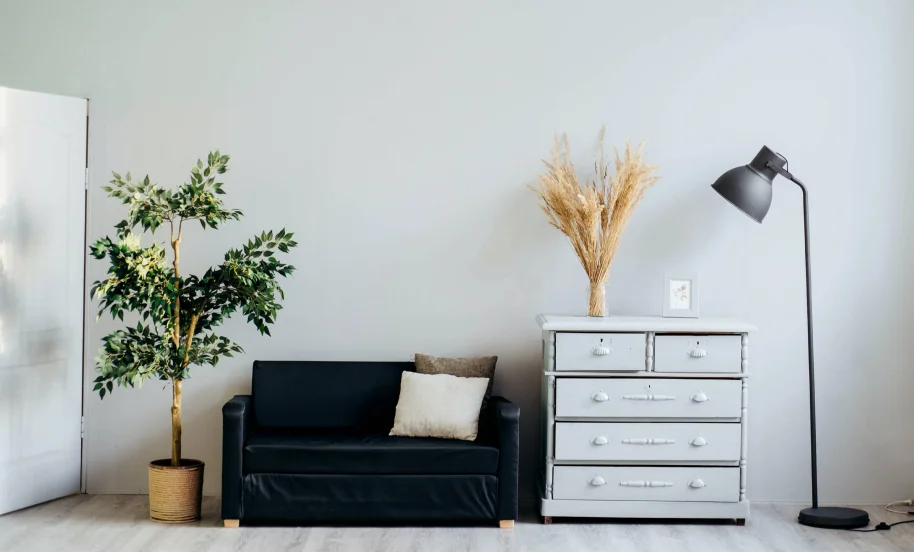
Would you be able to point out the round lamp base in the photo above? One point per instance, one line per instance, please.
(834, 518)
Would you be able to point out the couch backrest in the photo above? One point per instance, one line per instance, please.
(356, 395)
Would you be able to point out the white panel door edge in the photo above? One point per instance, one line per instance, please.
(42, 289)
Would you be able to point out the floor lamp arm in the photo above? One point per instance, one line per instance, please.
(812, 372)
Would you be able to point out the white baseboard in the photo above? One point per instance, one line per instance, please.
(806, 503)
(531, 502)
(133, 492)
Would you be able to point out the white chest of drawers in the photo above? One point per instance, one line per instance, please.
(644, 417)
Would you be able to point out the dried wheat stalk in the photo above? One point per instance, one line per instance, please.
(594, 215)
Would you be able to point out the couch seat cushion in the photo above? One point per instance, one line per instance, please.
(284, 451)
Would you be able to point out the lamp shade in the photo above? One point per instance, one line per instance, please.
(748, 187)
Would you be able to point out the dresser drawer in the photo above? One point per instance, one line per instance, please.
(647, 398)
(667, 442)
(648, 483)
(600, 351)
(698, 353)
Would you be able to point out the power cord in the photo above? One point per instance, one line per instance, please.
(883, 526)
(891, 507)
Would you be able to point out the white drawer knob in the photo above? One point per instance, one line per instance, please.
(698, 353)
(601, 350)
(600, 440)
(600, 397)
(698, 441)
(597, 481)
(696, 483)
(699, 397)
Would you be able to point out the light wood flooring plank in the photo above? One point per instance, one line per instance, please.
(121, 523)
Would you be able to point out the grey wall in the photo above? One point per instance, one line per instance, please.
(396, 140)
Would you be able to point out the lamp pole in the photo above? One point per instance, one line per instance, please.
(812, 362)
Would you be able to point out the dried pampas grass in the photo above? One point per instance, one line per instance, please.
(594, 214)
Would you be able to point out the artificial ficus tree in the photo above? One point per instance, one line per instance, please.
(177, 315)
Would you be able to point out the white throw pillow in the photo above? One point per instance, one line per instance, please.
(439, 405)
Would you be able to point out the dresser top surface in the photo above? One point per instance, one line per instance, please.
(564, 323)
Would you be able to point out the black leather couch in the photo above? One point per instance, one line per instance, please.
(311, 444)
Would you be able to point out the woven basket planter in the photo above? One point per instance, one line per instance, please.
(175, 492)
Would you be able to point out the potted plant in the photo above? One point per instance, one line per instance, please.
(174, 318)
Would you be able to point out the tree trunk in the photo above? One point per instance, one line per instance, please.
(176, 423)
(176, 384)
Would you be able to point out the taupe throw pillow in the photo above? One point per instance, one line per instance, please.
(480, 367)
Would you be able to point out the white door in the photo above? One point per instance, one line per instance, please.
(42, 248)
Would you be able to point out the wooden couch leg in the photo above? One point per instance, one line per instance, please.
(231, 523)
(506, 523)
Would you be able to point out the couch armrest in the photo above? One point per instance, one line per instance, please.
(500, 424)
(237, 422)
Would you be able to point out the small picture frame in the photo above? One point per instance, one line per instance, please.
(680, 295)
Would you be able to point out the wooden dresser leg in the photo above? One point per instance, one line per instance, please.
(231, 523)
(547, 520)
(506, 523)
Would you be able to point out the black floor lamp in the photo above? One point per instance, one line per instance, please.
(748, 188)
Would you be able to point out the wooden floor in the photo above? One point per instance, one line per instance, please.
(120, 523)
